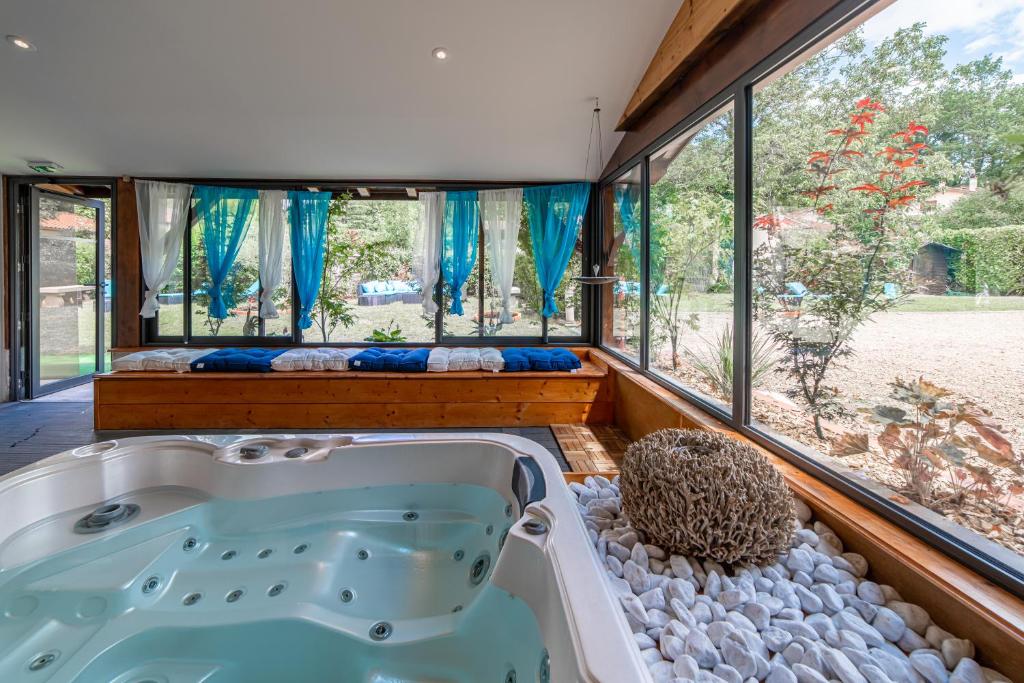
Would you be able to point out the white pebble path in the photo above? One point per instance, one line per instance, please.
(811, 617)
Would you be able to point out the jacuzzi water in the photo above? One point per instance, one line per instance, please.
(371, 559)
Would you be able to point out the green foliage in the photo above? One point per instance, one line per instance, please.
(85, 266)
(990, 257)
(713, 360)
(691, 209)
(390, 334)
(983, 209)
(684, 261)
(331, 309)
(241, 276)
(846, 269)
(930, 434)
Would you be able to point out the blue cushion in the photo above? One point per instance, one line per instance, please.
(515, 360)
(390, 360)
(542, 360)
(236, 360)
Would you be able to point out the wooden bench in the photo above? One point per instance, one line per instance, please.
(356, 400)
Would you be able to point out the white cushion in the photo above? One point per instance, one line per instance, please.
(177, 360)
(323, 358)
(438, 360)
(464, 359)
(490, 359)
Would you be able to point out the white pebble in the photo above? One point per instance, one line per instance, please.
(916, 618)
(929, 666)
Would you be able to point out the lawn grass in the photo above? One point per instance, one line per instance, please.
(407, 317)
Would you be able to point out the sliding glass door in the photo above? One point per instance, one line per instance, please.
(67, 291)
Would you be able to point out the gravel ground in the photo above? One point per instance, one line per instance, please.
(974, 353)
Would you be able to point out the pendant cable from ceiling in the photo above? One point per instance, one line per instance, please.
(595, 121)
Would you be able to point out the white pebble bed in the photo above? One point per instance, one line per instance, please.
(811, 617)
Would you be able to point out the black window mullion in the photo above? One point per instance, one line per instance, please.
(742, 255)
(645, 260)
(481, 272)
(186, 276)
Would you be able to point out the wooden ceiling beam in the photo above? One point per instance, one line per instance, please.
(698, 25)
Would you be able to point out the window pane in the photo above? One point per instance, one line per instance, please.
(691, 207)
(282, 296)
(526, 297)
(170, 319)
(467, 324)
(569, 297)
(889, 265)
(240, 289)
(368, 293)
(623, 235)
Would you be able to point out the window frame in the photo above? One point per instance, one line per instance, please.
(151, 336)
(986, 558)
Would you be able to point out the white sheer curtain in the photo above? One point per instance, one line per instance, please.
(272, 220)
(427, 247)
(163, 213)
(501, 211)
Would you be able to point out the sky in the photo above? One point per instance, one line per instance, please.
(975, 28)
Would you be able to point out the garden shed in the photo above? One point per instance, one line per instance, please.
(934, 268)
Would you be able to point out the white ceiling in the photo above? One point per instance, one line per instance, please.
(332, 89)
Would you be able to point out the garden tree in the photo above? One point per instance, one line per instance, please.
(331, 308)
(978, 105)
(240, 278)
(983, 209)
(691, 210)
(683, 262)
(855, 269)
(366, 240)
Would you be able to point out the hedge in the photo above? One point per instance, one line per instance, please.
(992, 256)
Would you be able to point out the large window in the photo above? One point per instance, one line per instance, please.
(368, 292)
(889, 261)
(880, 258)
(623, 244)
(691, 256)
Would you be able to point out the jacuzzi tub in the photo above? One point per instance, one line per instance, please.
(383, 558)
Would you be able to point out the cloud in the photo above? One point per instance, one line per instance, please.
(940, 16)
(986, 41)
(974, 26)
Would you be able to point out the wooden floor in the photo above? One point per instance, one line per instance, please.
(32, 430)
(591, 448)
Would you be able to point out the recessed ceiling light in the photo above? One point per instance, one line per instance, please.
(440, 53)
(20, 43)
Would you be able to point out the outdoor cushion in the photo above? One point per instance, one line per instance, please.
(490, 359)
(463, 359)
(177, 360)
(437, 361)
(237, 360)
(391, 360)
(324, 358)
(543, 360)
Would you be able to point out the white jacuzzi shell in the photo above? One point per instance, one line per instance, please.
(556, 573)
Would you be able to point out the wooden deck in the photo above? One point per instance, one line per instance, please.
(591, 448)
